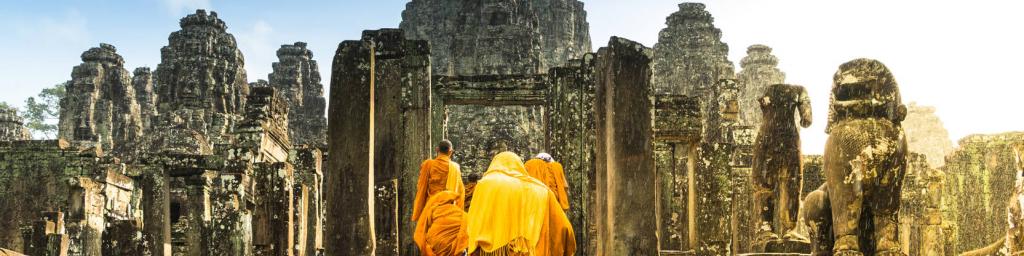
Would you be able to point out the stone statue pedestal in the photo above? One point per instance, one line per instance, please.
(783, 247)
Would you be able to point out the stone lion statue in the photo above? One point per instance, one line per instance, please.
(855, 211)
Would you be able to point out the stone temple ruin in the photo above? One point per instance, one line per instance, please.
(661, 145)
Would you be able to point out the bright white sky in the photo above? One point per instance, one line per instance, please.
(960, 56)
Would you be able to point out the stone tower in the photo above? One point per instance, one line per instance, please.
(202, 75)
(926, 134)
(491, 40)
(100, 104)
(201, 67)
(145, 95)
(12, 126)
(759, 71)
(481, 37)
(297, 77)
(690, 53)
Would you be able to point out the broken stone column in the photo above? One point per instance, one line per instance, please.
(100, 105)
(690, 54)
(296, 76)
(350, 169)
(625, 139)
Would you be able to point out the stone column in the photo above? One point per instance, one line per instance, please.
(713, 176)
(350, 176)
(156, 198)
(402, 132)
(624, 113)
(570, 139)
(231, 223)
(85, 222)
(272, 218)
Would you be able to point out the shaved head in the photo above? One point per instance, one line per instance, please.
(444, 147)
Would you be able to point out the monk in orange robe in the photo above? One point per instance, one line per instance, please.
(513, 213)
(436, 175)
(441, 229)
(544, 168)
(473, 178)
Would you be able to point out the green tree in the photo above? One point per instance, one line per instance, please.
(42, 112)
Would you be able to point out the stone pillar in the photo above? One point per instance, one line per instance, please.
(350, 173)
(309, 206)
(570, 139)
(713, 176)
(231, 223)
(272, 217)
(85, 222)
(402, 132)
(625, 138)
(156, 198)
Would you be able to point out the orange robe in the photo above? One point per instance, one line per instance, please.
(558, 174)
(436, 175)
(469, 194)
(513, 213)
(441, 230)
(553, 175)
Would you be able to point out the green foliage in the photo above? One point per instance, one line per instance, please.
(42, 112)
(3, 105)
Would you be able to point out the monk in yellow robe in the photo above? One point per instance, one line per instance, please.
(513, 213)
(544, 168)
(441, 229)
(436, 175)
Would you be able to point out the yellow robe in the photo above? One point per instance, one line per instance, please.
(515, 214)
(441, 230)
(553, 176)
(436, 175)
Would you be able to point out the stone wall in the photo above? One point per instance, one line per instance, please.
(90, 189)
(690, 54)
(980, 177)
